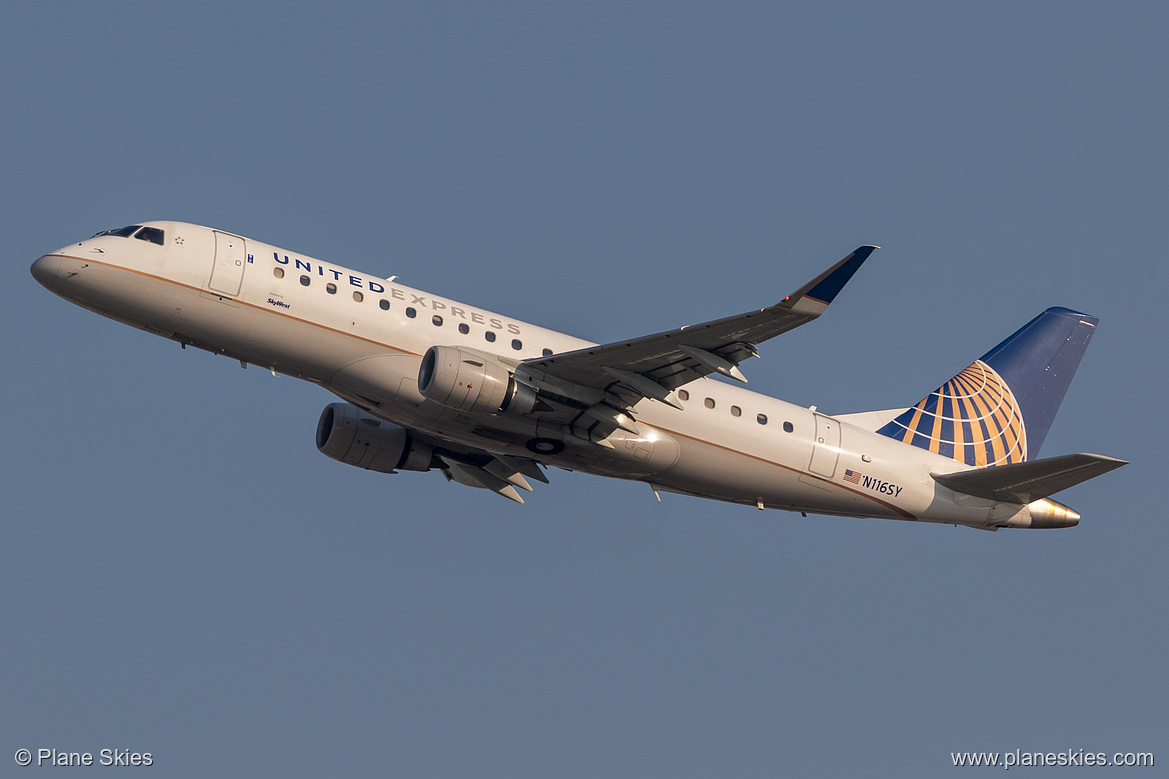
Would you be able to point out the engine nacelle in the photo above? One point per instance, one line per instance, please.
(348, 434)
(472, 382)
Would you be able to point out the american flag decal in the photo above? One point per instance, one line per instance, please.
(852, 477)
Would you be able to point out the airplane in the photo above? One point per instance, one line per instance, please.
(429, 383)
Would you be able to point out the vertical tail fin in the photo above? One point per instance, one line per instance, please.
(1000, 408)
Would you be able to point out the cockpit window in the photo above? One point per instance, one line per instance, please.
(121, 232)
(152, 234)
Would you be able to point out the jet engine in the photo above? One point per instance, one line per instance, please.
(348, 434)
(473, 382)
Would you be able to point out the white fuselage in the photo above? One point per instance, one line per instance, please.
(362, 337)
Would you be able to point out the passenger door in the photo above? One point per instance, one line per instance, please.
(825, 447)
(227, 274)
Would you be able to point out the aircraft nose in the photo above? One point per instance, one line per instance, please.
(45, 269)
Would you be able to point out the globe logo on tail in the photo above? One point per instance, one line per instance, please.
(973, 418)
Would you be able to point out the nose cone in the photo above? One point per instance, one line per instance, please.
(45, 269)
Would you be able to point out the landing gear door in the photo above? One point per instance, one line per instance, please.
(227, 274)
(826, 447)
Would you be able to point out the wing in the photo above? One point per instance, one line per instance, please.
(610, 379)
(492, 471)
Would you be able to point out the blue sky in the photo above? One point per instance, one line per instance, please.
(182, 573)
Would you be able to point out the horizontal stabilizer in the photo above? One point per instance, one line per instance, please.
(1028, 481)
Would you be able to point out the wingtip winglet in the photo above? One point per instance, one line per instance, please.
(825, 287)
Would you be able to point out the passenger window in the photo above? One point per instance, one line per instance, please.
(516, 344)
(358, 297)
(437, 320)
(410, 312)
(547, 352)
(684, 395)
(736, 411)
(152, 234)
(709, 402)
(384, 304)
(464, 329)
(761, 419)
(331, 288)
(490, 336)
(278, 272)
(788, 427)
(305, 281)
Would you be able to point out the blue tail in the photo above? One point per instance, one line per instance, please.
(1000, 408)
